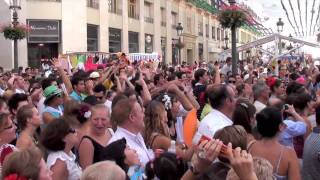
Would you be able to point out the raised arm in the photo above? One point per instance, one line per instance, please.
(64, 76)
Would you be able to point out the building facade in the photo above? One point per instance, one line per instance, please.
(61, 26)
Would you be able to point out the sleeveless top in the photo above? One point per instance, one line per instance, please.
(56, 113)
(275, 174)
(98, 149)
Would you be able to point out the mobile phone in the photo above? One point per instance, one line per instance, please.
(204, 138)
(286, 107)
(223, 150)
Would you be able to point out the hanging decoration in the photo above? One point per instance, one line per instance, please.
(232, 16)
(18, 32)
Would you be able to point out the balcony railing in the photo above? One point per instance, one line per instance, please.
(164, 24)
(134, 16)
(148, 19)
(93, 4)
(116, 11)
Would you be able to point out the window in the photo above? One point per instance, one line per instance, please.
(200, 28)
(148, 43)
(222, 34)
(163, 17)
(189, 22)
(218, 34)
(174, 17)
(114, 40)
(132, 9)
(207, 30)
(148, 12)
(92, 37)
(93, 4)
(213, 32)
(133, 42)
(113, 7)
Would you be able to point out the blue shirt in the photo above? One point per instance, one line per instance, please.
(76, 96)
(293, 129)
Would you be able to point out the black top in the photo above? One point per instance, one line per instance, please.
(199, 92)
(98, 149)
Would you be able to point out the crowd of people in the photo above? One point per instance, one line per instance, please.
(143, 120)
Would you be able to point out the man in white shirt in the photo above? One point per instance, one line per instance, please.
(19, 84)
(128, 115)
(227, 67)
(261, 93)
(222, 100)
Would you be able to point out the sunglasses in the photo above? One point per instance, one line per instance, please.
(232, 81)
(72, 131)
(99, 97)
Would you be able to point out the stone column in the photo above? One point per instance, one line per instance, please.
(125, 22)
(104, 26)
(157, 26)
(141, 32)
(205, 39)
(74, 26)
(169, 31)
(196, 51)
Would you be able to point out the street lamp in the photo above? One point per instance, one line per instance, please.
(226, 41)
(179, 29)
(280, 25)
(15, 5)
(234, 44)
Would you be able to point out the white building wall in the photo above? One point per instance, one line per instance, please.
(74, 26)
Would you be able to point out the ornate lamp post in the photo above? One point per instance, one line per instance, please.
(179, 29)
(280, 25)
(15, 5)
(234, 44)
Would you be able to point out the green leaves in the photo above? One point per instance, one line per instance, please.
(229, 18)
(12, 33)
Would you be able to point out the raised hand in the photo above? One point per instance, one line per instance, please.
(241, 162)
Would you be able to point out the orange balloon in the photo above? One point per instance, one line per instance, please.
(190, 127)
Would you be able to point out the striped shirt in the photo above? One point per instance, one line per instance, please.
(311, 156)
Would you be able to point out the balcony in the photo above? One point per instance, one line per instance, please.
(148, 19)
(116, 11)
(163, 24)
(134, 16)
(93, 4)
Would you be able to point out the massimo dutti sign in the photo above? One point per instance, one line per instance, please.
(44, 31)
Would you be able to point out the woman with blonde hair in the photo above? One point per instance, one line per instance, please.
(93, 145)
(105, 170)
(156, 133)
(26, 164)
(28, 119)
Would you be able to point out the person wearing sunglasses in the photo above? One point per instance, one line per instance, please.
(231, 80)
(7, 135)
(59, 139)
(99, 92)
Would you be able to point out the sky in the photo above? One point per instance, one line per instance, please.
(271, 10)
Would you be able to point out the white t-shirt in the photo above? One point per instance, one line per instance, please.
(74, 170)
(134, 141)
(210, 124)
